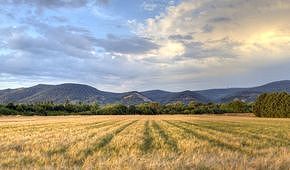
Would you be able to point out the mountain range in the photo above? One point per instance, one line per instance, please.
(83, 93)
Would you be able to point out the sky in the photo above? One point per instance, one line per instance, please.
(124, 45)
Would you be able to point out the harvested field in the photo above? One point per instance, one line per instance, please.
(144, 142)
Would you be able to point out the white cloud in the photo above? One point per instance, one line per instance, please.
(207, 40)
(248, 31)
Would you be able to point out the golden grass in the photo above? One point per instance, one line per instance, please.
(144, 142)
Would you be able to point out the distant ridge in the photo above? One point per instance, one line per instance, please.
(83, 93)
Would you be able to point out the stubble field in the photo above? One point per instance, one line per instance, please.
(144, 142)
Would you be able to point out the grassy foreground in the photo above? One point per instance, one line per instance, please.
(144, 142)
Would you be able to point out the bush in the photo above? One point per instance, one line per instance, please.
(272, 105)
(94, 108)
(149, 108)
(6, 111)
(132, 110)
(236, 106)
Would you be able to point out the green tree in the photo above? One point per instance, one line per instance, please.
(132, 110)
(272, 105)
(95, 107)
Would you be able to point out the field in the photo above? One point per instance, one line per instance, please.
(144, 142)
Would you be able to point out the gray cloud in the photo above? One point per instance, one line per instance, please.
(219, 19)
(58, 19)
(59, 40)
(179, 37)
(56, 52)
(207, 28)
(223, 48)
(131, 45)
(65, 53)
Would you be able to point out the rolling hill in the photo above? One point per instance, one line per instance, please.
(83, 93)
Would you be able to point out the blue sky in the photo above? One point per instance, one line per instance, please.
(127, 45)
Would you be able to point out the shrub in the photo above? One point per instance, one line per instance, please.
(272, 105)
(236, 106)
(6, 111)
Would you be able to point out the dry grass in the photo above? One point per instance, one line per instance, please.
(144, 142)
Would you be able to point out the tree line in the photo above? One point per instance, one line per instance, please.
(150, 108)
(272, 105)
(266, 105)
